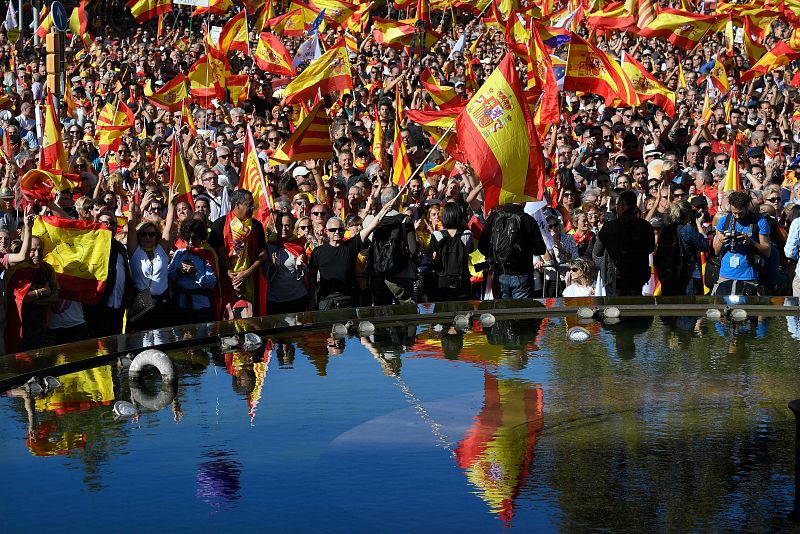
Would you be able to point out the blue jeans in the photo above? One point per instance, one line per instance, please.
(516, 286)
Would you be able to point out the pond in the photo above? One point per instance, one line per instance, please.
(665, 423)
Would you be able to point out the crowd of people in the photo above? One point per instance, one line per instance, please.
(634, 201)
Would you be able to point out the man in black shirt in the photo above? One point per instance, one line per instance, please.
(514, 272)
(623, 247)
(333, 264)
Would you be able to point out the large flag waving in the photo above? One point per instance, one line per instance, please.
(682, 28)
(401, 166)
(647, 87)
(272, 56)
(78, 251)
(781, 54)
(591, 70)
(234, 34)
(114, 121)
(498, 138)
(171, 96)
(144, 10)
(311, 139)
(331, 72)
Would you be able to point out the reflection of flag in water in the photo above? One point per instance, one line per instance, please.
(498, 451)
(260, 369)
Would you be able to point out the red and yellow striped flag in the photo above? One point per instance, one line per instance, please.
(733, 181)
(114, 121)
(401, 166)
(179, 175)
(171, 96)
(79, 252)
(311, 139)
(234, 34)
(54, 157)
(271, 56)
(647, 87)
(645, 13)
(252, 179)
(780, 54)
(144, 10)
(591, 70)
(682, 28)
(329, 72)
(497, 137)
(442, 95)
(238, 88)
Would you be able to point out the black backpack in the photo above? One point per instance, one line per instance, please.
(505, 237)
(451, 261)
(671, 259)
(389, 249)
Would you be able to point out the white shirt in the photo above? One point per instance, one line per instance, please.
(65, 314)
(115, 299)
(574, 290)
(148, 273)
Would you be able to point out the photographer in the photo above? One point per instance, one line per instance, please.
(742, 241)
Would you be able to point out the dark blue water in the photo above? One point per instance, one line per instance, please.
(651, 425)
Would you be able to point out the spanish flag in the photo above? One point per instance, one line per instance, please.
(205, 85)
(443, 96)
(431, 119)
(589, 69)
(179, 175)
(78, 24)
(359, 19)
(171, 96)
(267, 13)
(54, 157)
(682, 28)
(752, 44)
(778, 56)
(311, 139)
(187, 118)
(399, 35)
(291, 24)
(613, 16)
(234, 34)
(329, 72)
(271, 56)
(718, 76)
(45, 23)
(144, 10)
(498, 138)
(336, 11)
(39, 184)
(647, 87)
(252, 179)
(79, 252)
(401, 166)
(733, 181)
(215, 7)
(114, 121)
(238, 88)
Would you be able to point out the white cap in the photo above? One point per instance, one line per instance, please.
(300, 171)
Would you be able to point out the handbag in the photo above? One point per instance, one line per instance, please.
(141, 305)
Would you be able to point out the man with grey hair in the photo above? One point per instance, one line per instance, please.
(228, 177)
(390, 262)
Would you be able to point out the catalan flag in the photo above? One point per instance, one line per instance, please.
(171, 96)
(311, 139)
(330, 72)
(780, 54)
(645, 13)
(682, 28)
(79, 252)
(647, 87)
(591, 70)
(498, 138)
(144, 10)
(233, 36)
(54, 157)
(271, 56)
(114, 121)
(733, 181)
(252, 179)
(178, 174)
(401, 166)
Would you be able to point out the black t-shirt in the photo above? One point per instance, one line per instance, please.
(336, 266)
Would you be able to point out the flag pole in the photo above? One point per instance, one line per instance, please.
(427, 156)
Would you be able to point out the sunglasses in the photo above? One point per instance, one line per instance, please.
(148, 234)
(305, 227)
(224, 156)
(272, 139)
(774, 199)
(574, 269)
(551, 226)
(338, 230)
(721, 161)
(318, 213)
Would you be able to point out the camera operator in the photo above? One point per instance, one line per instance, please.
(742, 241)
